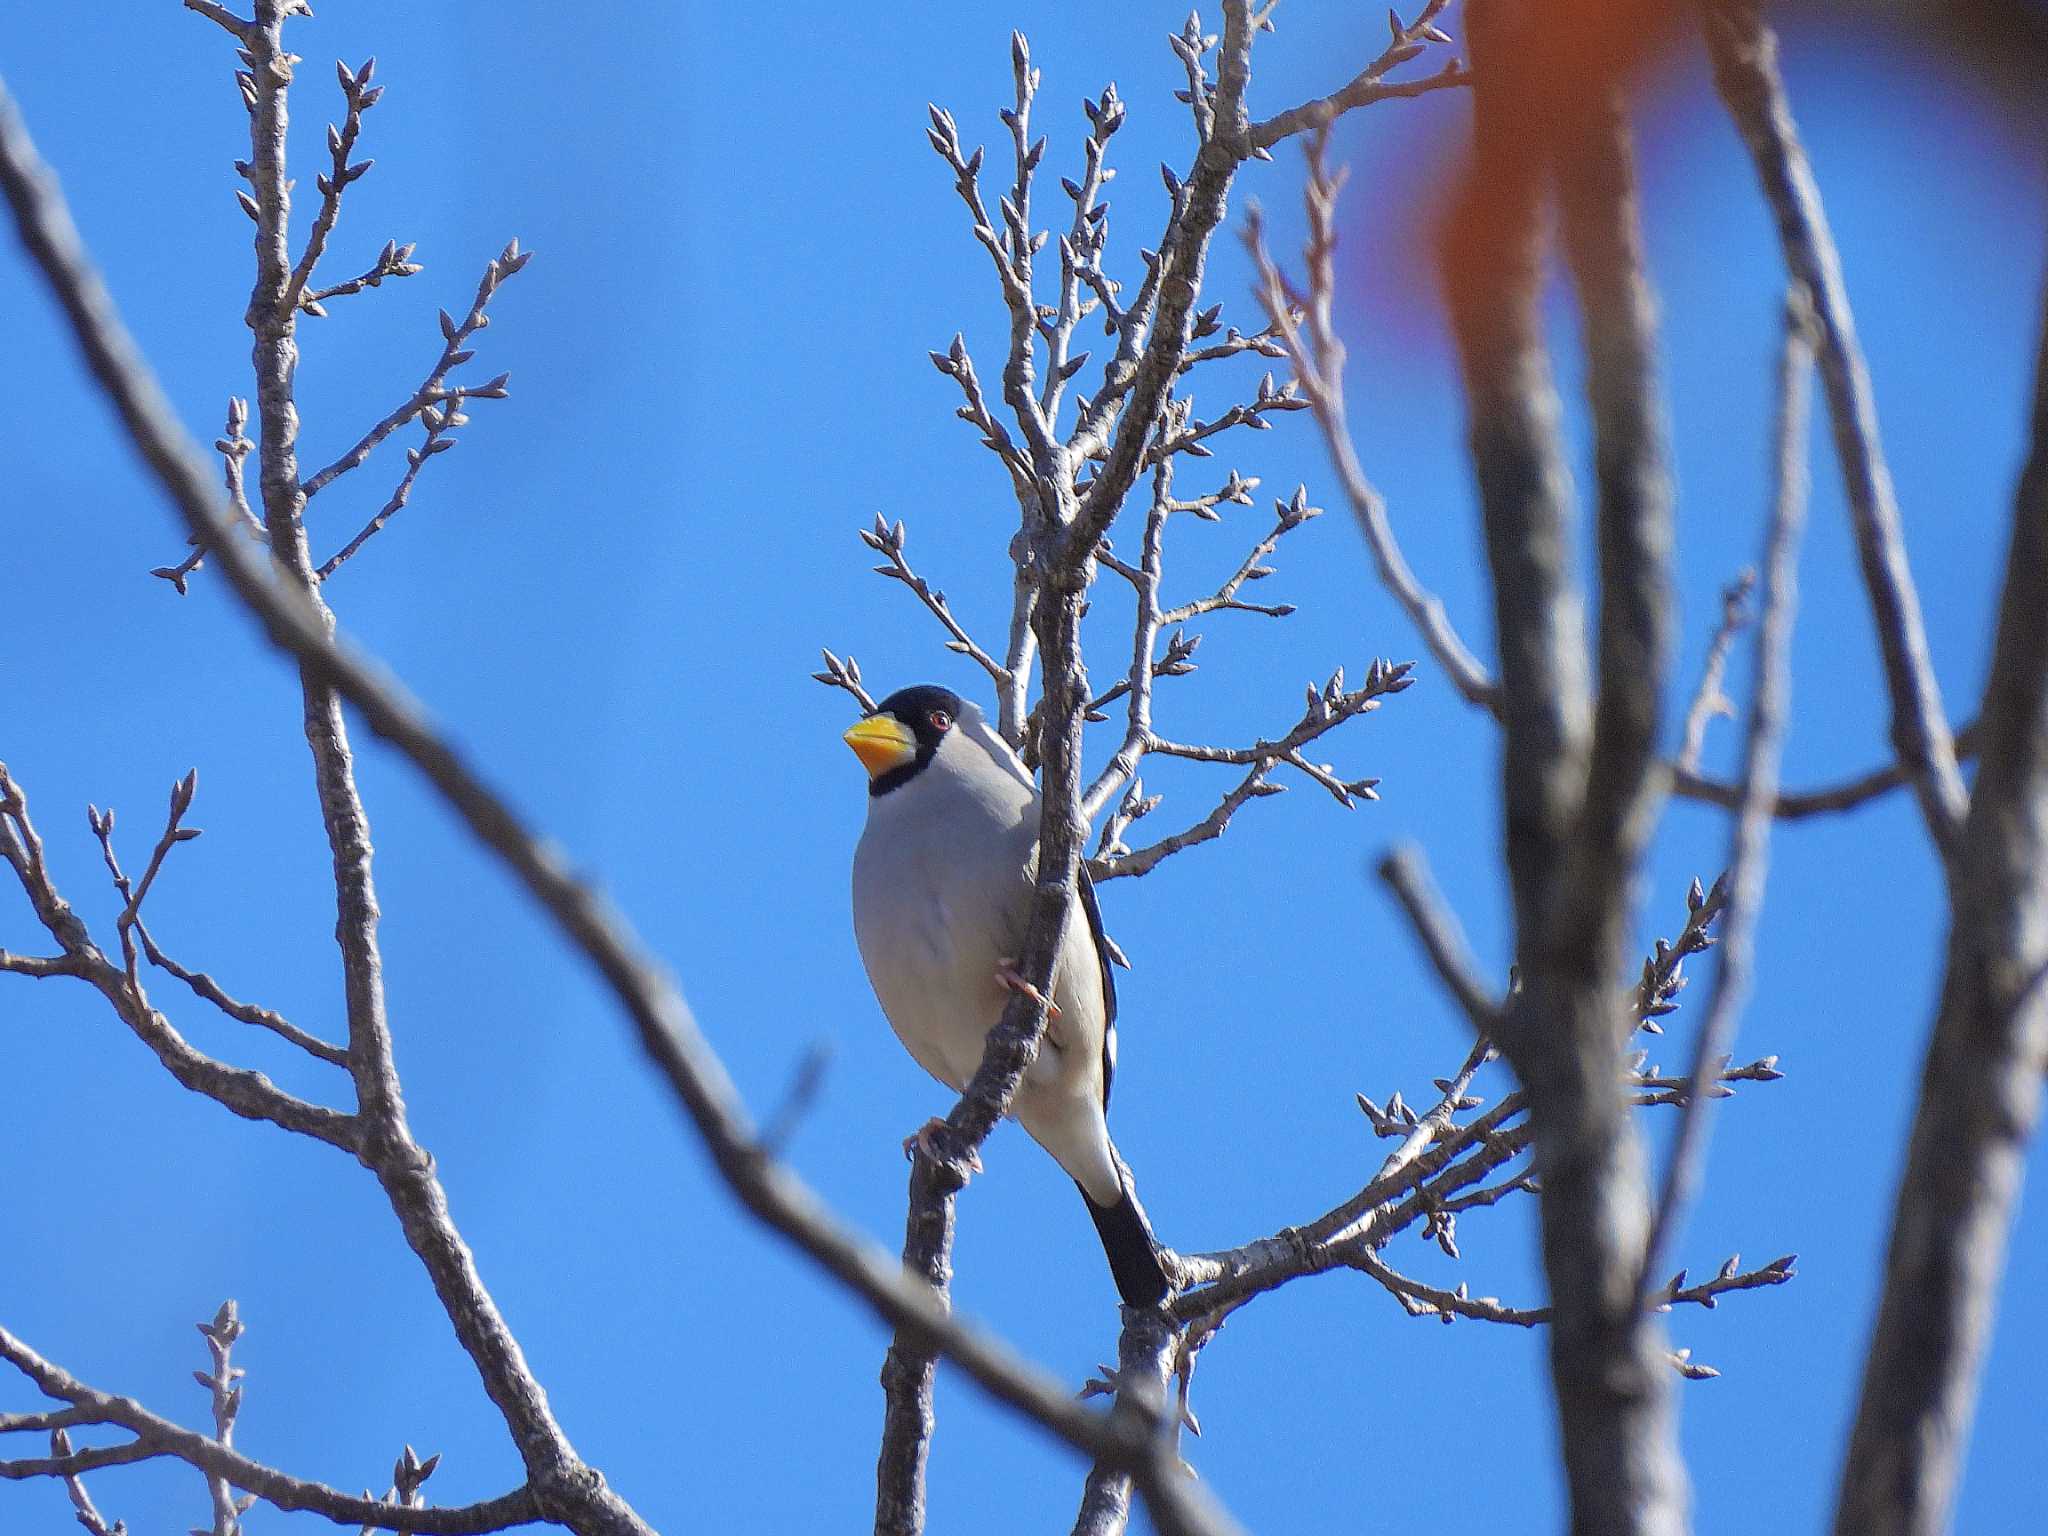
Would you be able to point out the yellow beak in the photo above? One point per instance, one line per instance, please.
(881, 742)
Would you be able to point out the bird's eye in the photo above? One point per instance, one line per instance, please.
(938, 720)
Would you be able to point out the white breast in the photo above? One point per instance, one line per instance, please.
(942, 893)
(941, 889)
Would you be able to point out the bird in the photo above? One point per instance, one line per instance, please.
(943, 879)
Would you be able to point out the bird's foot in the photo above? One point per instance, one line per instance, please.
(934, 1139)
(1011, 979)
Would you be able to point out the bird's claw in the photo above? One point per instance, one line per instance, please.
(931, 1139)
(1011, 979)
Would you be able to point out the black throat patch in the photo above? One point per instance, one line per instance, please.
(928, 712)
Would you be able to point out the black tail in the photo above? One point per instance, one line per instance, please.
(1133, 1250)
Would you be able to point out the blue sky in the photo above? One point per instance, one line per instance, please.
(613, 592)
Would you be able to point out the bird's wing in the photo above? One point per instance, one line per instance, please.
(1094, 910)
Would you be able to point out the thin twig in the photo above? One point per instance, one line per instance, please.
(434, 389)
(394, 260)
(1317, 357)
(1327, 708)
(224, 1389)
(1369, 85)
(1080, 251)
(248, 1094)
(1764, 739)
(1745, 58)
(957, 365)
(1422, 1300)
(360, 95)
(1710, 699)
(440, 422)
(1122, 767)
(846, 675)
(1289, 515)
(887, 541)
(1407, 876)
(235, 25)
(81, 1502)
(1798, 804)
(159, 1437)
(233, 449)
(1439, 1165)
(205, 987)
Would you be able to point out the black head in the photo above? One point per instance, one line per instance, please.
(899, 738)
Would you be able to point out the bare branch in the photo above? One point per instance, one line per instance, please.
(1081, 253)
(562, 1483)
(888, 542)
(223, 1386)
(133, 894)
(1770, 702)
(1710, 699)
(1420, 1300)
(1745, 59)
(157, 1436)
(233, 449)
(48, 1419)
(846, 674)
(1370, 85)
(1619, 1441)
(1234, 344)
(1140, 379)
(1190, 437)
(131, 928)
(1578, 804)
(1010, 251)
(360, 95)
(1137, 684)
(1439, 1167)
(1730, 1277)
(1018, 656)
(957, 365)
(1317, 358)
(1653, 1087)
(910, 1369)
(394, 260)
(1147, 1349)
(1175, 662)
(440, 421)
(1290, 515)
(434, 389)
(1797, 804)
(1980, 1092)
(1145, 579)
(38, 966)
(1407, 876)
(81, 1502)
(205, 987)
(1596, 191)
(1110, 863)
(236, 27)
(1327, 708)
(248, 1094)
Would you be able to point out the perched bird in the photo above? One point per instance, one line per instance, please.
(942, 889)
